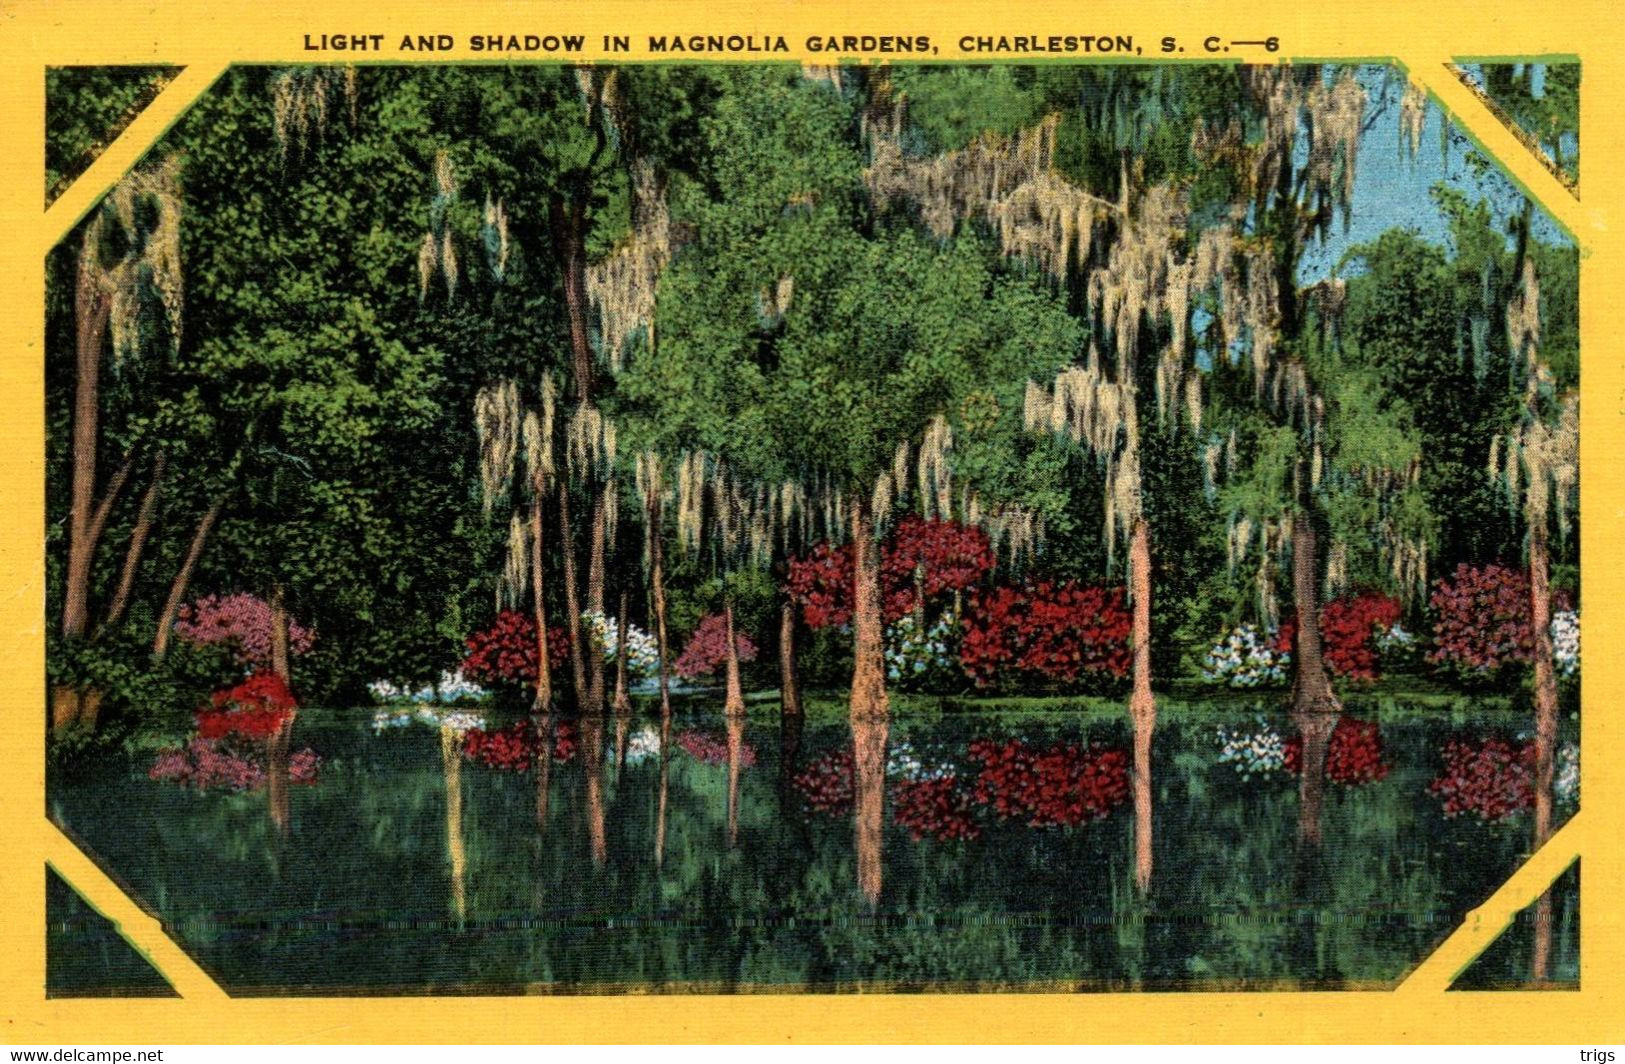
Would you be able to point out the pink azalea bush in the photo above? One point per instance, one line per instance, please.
(707, 648)
(242, 621)
(211, 765)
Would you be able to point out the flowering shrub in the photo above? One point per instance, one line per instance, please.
(642, 745)
(1353, 755)
(452, 687)
(1059, 632)
(207, 764)
(1253, 753)
(254, 709)
(707, 648)
(505, 653)
(939, 808)
(1566, 778)
(642, 652)
(1492, 779)
(514, 748)
(243, 621)
(905, 762)
(1566, 643)
(1247, 657)
(710, 750)
(826, 782)
(458, 720)
(1058, 787)
(922, 660)
(1348, 633)
(1481, 624)
(941, 556)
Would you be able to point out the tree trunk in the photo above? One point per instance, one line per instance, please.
(569, 237)
(919, 599)
(572, 600)
(1315, 706)
(623, 700)
(92, 304)
(543, 702)
(279, 635)
(595, 604)
(657, 591)
(735, 724)
(1142, 705)
(665, 774)
(1540, 620)
(544, 767)
(1312, 686)
(592, 767)
(177, 589)
(868, 701)
(138, 543)
(451, 765)
(869, 800)
(734, 702)
(789, 688)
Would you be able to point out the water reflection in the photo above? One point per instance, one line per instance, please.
(872, 853)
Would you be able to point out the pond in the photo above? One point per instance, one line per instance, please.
(992, 853)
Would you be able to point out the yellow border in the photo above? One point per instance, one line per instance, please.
(205, 37)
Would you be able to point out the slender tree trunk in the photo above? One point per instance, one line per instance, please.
(544, 767)
(869, 800)
(451, 765)
(791, 726)
(657, 591)
(1142, 705)
(789, 688)
(595, 604)
(592, 767)
(734, 703)
(1540, 620)
(543, 702)
(665, 773)
(735, 723)
(623, 700)
(569, 238)
(281, 740)
(1315, 707)
(572, 601)
(92, 304)
(868, 699)
(138, 543)
(177, 589)
(279, 635)
(919, 599)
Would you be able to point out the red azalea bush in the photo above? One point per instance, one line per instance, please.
(939, 807)
(254, 709)
(946, 555)
(1058, 787)
(707, 649)
(243, 621)
(826, 782)
(1063, 632)
(1353, 754)
(505, 653)
(709, 750)
(1481, 621)
(1348, 629)
(1491, 780)
(514, 748)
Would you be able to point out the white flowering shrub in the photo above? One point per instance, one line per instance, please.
(642, 651)
(1566, 642)
(916, 659)
(1245, 658)
(1566, 776)
(452, 687)
(1256, 751)
(642, 744)
(905, 762)
(458, 720)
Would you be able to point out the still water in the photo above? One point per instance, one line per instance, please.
(733, 856)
